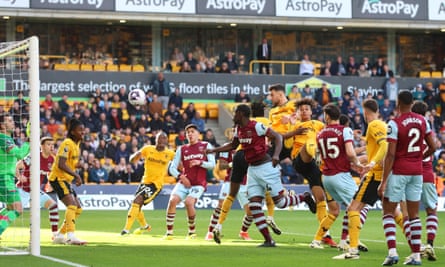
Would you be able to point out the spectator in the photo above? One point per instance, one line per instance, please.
(351, 66)
(306, 66)
(108, 165)
(21, 102)
(367, 65)
(155, 106)
(176, 99)
(122, 152)
(190, 110)
(224, 68)
(161, 88)
(386, 109)
(380, 98)
(112, 148)
(173, 112)
(264, 52)
(210, 67)
(307, 92)
(199, 122)
(117, 175)
(345, 102)
(294, 94)
(418, 93)
(191, 61)
(97, 174)
(88, 120)
(363, 72)
(209, 136)
(156, 123)
(379, 71)
(391, 90)
(326, 70)
(48, 102)
(101, 150)
(60, 134)
(431, 95)
(183, 121)
(169, 125)
(185, 67)
(231, 63)
(323, 95)
(242, 97)
(177, 56)
(125, 114)
(181, 138)
(123, 95)
(338, 68)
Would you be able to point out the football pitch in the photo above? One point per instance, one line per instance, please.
(107, 248)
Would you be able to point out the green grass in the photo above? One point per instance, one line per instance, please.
(107, 248)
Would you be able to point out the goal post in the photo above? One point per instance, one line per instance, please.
(19, 72)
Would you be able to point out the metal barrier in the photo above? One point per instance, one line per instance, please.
(283, 63)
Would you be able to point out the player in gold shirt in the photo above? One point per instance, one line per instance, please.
(156, 160)
(62, 174)
(376, 148)
(303, 154)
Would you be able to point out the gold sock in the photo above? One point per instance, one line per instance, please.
(131, 216)
(225, 208)
(324, 226)
(321, 210)
(70, 218)
(354, 227)
(141, 219)
(270, 205)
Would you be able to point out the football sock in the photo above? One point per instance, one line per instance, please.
(70, 218)
(214, 218)
(270, 205)
(364, 214)
(415, 235)
(54, 217)
(325, 225)
(389, 228)
(354, 228)
(225, 208)
(170, 220)
(247, 221)
(260, 219)
(141, 219)
(321, 210)
(7, 218)
(344, 227)
(431, 227)
(191, 223)
(132, 214)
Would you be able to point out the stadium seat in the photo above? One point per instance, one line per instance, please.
(200, 105)
(213, 113)
(436, 74)
(124, 67)
(171, 140)
(72, 67)
(86, 67)
(112, 67)
(424, 74)
(202, 112)
(100, 67)
(138, 68)
(59, 66)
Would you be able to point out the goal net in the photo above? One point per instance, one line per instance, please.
(19, 101)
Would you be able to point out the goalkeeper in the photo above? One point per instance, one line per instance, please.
(10, 153)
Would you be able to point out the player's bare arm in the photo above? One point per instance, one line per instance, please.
(278, 141)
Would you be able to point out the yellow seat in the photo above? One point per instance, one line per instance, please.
(436, 74)
(202, 112)
(200, 105)
(112, 67)
(124, 67)
(100, 67)
(72, 67)
(138, 68)
(59, 66)
(213, 113)
(86, 67)
(424, 74)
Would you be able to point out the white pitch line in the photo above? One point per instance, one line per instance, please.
(62, 261)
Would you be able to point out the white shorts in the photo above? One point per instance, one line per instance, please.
(241, 196)
(195, 191)
(262, 178)
(26, 198)
(429, 195)
(403, 187)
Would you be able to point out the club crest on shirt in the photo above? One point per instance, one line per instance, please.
(249, 133)
(389, 129)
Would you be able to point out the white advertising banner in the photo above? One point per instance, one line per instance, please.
(106, 202)
(15, 3)
(436, 10)
(314, 8)
(157, 6)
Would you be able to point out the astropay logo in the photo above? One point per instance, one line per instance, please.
(251, 5)
(399, 7)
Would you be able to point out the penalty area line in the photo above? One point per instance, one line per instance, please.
(62, 261)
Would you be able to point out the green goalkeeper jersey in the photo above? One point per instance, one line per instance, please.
(10, 153)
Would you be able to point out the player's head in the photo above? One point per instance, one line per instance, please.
(192, 133)
(46, 144)
(277, 94)
(161, 139)
(370, 107)
(76, 130)
(419, 107)
(331, 113)
(405, 99)
(257, 109)
(344, 120)
(242, 111)
(304, 106)
(6, 123)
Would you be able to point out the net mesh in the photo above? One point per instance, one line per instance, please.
(14, 102)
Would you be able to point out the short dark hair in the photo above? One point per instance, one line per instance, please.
(344, 120)
(305, 101)
(277, 87)
(405, 97)
(371, 104)
(332, 110)
(257, 109)
(244, 109)
(419, 107)
(45, 139)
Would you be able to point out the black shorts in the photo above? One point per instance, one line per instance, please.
(285, 152)
(239, 167)
(367, 190)
(310, 171)
(148, 192)
(62, 188)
